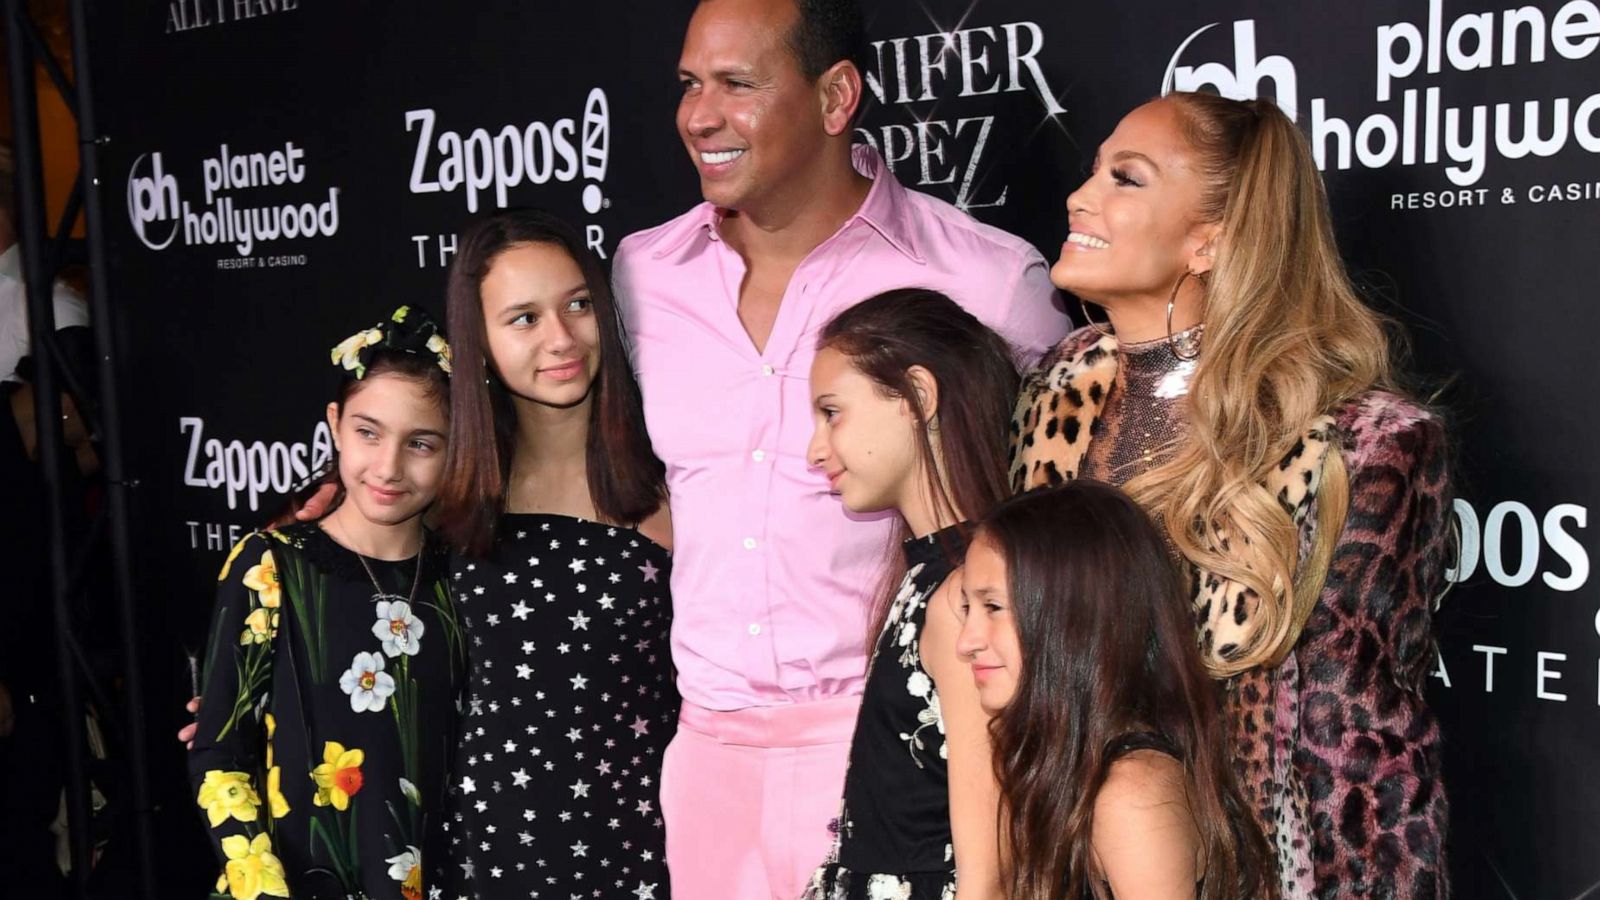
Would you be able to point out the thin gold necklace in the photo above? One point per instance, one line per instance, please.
(379, 593)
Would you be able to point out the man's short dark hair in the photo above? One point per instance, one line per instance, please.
(827, 31)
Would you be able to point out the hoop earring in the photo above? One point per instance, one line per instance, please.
(1090, 321)
(1186, 349)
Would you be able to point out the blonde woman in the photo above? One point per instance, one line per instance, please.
(1244, 394)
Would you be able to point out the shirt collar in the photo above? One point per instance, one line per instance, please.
(11, 261)
(885, 209)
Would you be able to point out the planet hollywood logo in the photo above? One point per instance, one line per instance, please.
(949, 152)
(1414, 125)
(160, 216)
(487, 166)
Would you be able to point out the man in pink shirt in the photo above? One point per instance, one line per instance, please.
(771, 578)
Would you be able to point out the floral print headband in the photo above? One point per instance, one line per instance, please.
(407, 330)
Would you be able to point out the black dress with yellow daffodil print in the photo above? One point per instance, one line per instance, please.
(332, 684)
(330, 700)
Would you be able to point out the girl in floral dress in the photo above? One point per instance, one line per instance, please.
(335, 658)
(912, 395)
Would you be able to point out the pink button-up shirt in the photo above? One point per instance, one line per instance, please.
(771, 578)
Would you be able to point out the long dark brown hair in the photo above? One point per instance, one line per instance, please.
(626, 481)
(976, 373)
(1108, 653)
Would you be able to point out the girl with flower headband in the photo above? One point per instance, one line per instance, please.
(336, 657)
(554, 503)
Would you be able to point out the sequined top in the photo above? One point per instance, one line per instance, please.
(1144, 414)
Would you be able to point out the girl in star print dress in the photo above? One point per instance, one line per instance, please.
(556, 500)
(912, 397)
(336, 658)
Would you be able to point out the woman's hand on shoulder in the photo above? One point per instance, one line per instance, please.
(1145, 839)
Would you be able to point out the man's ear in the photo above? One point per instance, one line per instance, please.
(839, 90)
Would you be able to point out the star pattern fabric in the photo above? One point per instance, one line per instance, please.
(570, 705)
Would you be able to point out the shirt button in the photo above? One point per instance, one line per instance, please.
(758, 455)
(754, 628)
(766, 370)
(749, 543)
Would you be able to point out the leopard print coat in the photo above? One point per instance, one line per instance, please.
(1337, 750)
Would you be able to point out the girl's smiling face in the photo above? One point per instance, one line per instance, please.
(988, 638)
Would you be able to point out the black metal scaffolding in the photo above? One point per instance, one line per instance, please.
(43, 252)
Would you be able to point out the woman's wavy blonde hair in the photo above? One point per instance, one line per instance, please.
(1287, 339)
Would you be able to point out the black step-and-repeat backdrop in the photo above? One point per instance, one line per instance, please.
(293, 168)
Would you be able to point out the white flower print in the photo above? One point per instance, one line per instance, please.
(367, 684)
(888, 887)
(902, 619)
(899, 608)
(919, 684)
(400, 866)
(400, 631)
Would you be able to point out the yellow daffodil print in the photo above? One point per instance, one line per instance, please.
(276, 802)
(260, 626)
(348, 353)
(228, 794)
(252, 869)
(233, 554)
(400, 314)
(263, 579)
(441, 348)
(406, 868)
(339, 777)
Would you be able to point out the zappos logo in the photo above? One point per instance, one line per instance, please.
(153, 203)
(496, 161)
(1243, 80)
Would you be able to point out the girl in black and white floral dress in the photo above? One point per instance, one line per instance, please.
(912, 399)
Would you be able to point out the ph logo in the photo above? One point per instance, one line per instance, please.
(152, 201)
(1243, 81)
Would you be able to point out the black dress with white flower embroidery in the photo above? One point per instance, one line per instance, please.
(893, 839)
(570, 703)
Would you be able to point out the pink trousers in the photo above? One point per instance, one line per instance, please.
(748, 796)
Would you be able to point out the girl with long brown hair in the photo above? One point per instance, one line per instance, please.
(1106, 736)
(911, 398)
(556, 503)
(1247, 397)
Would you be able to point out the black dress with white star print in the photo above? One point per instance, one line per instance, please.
(570, 703)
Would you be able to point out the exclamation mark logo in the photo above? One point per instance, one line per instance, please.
(596, 148)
